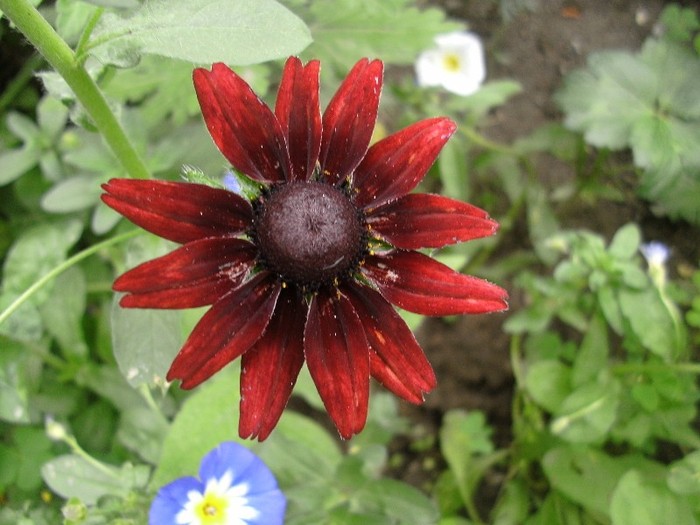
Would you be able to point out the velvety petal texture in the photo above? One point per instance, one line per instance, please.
(299, 115)
(177, 212)
(242, 126)
(419, 284)
(197, 274)
(269, 370)
(356, 231)
(338, 359)
(349, 120)
(234, 486)
(396, 164)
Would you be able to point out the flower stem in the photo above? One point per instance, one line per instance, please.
(55, 272)
(17, 84)
(62, 58)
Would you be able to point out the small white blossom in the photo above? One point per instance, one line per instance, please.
(457, 63)
(656, 253)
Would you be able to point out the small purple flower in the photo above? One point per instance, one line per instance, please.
(234, 488)
(655, 252)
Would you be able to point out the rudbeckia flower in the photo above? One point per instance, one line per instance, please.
(456, 63)
(234, 488)
(308, 270)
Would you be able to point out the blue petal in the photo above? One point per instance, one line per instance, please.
(271, 505)
(245, 466)
(171, 499)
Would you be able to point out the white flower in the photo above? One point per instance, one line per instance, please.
(656, 253)
(457, 64)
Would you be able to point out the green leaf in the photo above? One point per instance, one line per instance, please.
(489, 96)
(592, 356)
(298, 451)
(145, 342)
(606, 99)
(625, 242)
(684, 475)
(641, 501)
(345, 30)
(72, 194)
(16, 163)
(200, 31)
(679, 22)
(35, 253)
(72, 476)
(71, 18)
(548, 382)
(466, 445)
(650, 321)
(395, 502)
(63, 312)
(32, 448)
(588, 413)
(18, 370)
(588, 476)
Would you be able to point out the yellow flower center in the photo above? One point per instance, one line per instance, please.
(212, 509)
(452, 62)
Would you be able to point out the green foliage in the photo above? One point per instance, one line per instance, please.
(604, 422)
(646, 102)
(200, 31)
(393, 30)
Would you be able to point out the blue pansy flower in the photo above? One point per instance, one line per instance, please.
(234, 488)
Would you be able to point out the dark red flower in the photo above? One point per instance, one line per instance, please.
(308, 269)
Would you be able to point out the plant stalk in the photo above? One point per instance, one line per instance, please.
(62, 58)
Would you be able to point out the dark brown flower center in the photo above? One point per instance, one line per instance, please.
(309, 233)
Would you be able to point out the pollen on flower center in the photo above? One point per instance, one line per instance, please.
(452, 62)
(310, 233)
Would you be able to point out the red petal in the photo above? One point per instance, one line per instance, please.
(242, 126)
(196, 274)
(299, 114)
(337, 354)
(228, 329)
(396, 359)
(421, 220)
(419, 284)
(395, 165)
(349, 119)
(270, 368)
(178, 211)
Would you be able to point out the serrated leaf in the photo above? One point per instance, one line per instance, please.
(200, 31)
(394, 30)
(72, 476)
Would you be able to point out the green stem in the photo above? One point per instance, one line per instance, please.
(640, 368)
(482, 141)
(62, 268)
(57, 53)
(18, 83)
(85, 36)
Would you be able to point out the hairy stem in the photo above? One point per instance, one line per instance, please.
(62, 58)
